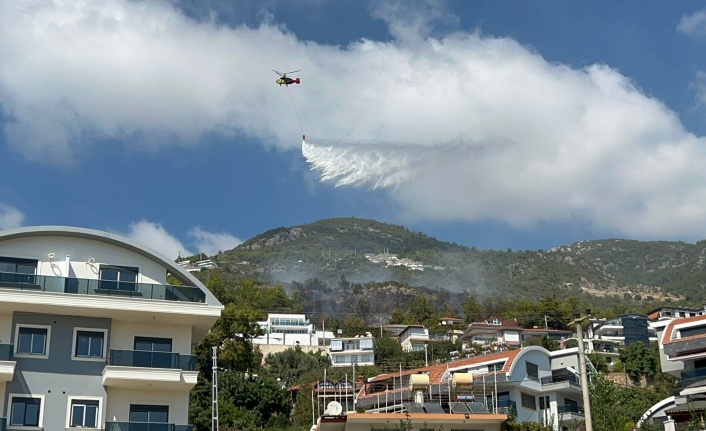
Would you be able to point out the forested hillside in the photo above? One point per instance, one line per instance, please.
(333, 252)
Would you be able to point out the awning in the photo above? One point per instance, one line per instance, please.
(692, 405)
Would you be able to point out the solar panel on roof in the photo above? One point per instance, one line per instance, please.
(459, 408)
(476, 407)
(433, 408)
(414, 407)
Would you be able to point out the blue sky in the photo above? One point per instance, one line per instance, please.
(494, 124)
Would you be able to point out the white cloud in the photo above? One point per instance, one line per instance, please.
(153, 235)
(211, 243)
(10, 217)
(693, 25)
(482, 127)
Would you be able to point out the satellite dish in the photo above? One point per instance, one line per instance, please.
(334, 408)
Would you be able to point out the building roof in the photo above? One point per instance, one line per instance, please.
(76, 232)
(670, 332)
(504, 324)
(437, 371)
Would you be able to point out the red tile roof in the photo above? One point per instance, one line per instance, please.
(436, 372)
(670, 332)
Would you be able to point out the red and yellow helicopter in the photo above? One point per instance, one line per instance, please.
(285, 80)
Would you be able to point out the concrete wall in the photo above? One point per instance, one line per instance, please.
(57, 377)
(124, 333)
(119, 400)
(80, 251)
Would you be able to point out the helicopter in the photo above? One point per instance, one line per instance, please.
(285, 80)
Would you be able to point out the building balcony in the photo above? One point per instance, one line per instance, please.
(137, 369)
(567, 378)
(7, 364)
(83, 286)
(570, 413)
(688, 346)
(507, 407)
(144, 426)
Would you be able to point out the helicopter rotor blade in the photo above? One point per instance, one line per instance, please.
(294, 71)
(278, 72)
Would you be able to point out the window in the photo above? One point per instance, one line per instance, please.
(153, 352)
(153, 344)
(25, 410)
(340, 359)
(336, 345)
(532, 370)
(118, 278)
(84, 413)
(89, 343)
(365, 358)
(14, 270)
(529, 401)
(149, 414)
(32, 340)
(366, 344)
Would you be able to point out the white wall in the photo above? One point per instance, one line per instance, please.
(119, 400)
(80, 250)
(123, 335)
(5, 328)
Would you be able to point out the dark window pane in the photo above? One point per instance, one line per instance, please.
(91, 416)
(18, 414)
(89, 344)
(32, 341)
(148, 413)
(77, 412)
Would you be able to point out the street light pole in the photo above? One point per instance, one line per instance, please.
(582, 365)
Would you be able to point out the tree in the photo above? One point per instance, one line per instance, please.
(617, 408)
(398, 317)
(422, 312)
(473, 310)
(353, 326)
(542, 341)
(640, 360)
(232, 334)
(290, 365)
(388, 352)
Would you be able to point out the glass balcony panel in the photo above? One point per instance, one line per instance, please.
(101, 287)
(570, 408)
(6, 352)
(146, 359)
(145, 426)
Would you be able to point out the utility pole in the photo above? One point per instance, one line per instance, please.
(582, 365)
(214, 392)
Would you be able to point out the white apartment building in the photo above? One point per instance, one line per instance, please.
(345, 352)
(414, 338)
(287, 330)
(91, 334)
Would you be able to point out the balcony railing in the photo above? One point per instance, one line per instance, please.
(571, 378)
(507, 407)
(6, 352)
(692, 376)
(146, 426)
(570, 408)
(83, 286)
(147, 359)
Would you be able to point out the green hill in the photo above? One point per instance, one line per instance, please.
(341, 251)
